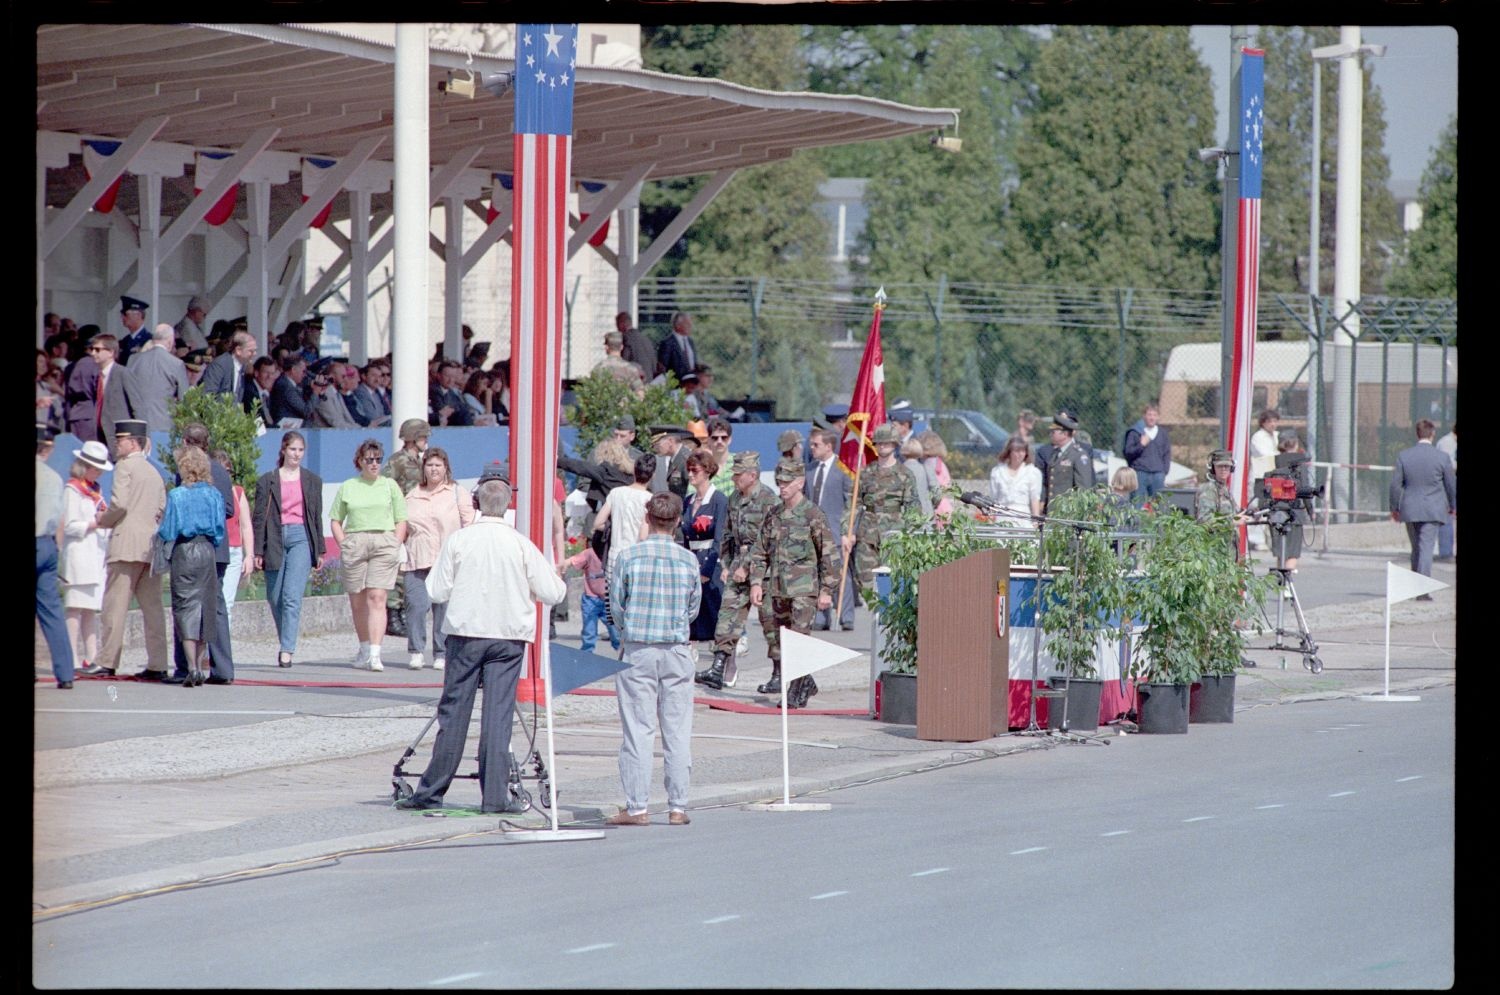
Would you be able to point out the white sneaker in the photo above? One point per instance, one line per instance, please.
(437, 663)
(368, 663)
(416, 662)
(742, 647)
(360, 655)
(375, 663)
(731, 671)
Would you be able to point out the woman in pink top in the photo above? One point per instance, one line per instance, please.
(288, 539)
(435, 509)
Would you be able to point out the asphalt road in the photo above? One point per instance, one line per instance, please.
(1307, 846)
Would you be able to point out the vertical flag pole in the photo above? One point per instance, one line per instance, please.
(786, 750)
(867, 411)
(1247, 273)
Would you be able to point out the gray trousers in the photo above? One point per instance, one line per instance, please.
(825, 619)
(1422, 535)
(498, 663)
(418, 608)
(658, 684)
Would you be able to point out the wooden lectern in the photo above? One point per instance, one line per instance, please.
(963, 648)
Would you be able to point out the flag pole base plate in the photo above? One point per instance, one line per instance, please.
(788, 807)
(1389, 697)
(553, 835)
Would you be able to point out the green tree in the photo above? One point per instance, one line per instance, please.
(1429, 267)
(1285, 200)
(764, 223)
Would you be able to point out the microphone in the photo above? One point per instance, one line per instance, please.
(977, 500)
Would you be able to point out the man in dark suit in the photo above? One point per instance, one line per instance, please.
(114, 395)
(287, 397)
(81, 399)
(264, 373)
(230, 372)
(676, 354)
(1424, 494)
(832, 490)
(637, 348)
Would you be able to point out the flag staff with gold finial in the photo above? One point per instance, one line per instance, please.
(866, 413)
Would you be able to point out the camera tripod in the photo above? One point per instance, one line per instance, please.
(1305, 643)
(520, 797)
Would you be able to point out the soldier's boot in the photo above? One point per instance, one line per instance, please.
(713, 677)
(799, 691)
(773, 686)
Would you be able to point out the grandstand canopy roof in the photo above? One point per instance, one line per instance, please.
(327, 91)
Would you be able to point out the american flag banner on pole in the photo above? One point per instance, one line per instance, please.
(545, 62)
(867, 403)
(1247, 276)
(95, 151)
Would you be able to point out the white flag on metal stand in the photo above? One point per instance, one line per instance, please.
(1400, 585)
(801, 656)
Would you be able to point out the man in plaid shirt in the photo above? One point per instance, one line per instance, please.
(654, 593)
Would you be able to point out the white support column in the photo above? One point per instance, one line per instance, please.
(147, 279)
(629, 219)
(1346, 256)
(357, 322)
(453, 278)
(412, 216)
(83, 201)
(289, 287)
(258, 228)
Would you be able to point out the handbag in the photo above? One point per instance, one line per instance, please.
(161, 555)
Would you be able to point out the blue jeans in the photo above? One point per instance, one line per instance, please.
(418, 607)
(49, 609)
(593, 613)
(284, 587)
(1148, 482)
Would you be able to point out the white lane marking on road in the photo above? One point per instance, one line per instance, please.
(717, 920)
(1414, 777)
(1117, 832)
(1273, 805)
(590, 948)
(1029, 849)
(935, 870)
(828, 894)
(1198, 818)
(168, 711)
(1340, 794)
(454, 979)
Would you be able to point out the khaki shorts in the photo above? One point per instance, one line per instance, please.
(370, 559)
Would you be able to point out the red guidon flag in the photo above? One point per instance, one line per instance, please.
(867, 404)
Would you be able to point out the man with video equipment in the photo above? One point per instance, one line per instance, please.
(1214, 497)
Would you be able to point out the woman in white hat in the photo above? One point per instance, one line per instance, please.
(81, 565)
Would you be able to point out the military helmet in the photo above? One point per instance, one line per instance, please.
(1220, 457)
(885, 433)
(787, 470)
(415, 428)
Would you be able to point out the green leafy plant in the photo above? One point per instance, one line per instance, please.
(917, 548)
(1192, 599)
(230, 428)
(1087, 599)
(602, 398)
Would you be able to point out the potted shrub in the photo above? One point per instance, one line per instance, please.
(1180, 558)
(1082, 604)
(917, 548)
(1230, 594)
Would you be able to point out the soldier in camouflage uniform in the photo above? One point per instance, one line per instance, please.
(886, 494)
(747, 510)
(405, 468)
(796, 562)
(1214, 497)
(405, 465)
(617, 365)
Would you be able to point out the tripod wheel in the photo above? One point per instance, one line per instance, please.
(1314, 664)
(400, 789)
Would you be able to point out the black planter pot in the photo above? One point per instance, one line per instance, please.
(1162, 708)
(896, 698)
(1212, 699)
(1083, 704)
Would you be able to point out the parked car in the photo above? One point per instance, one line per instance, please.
(971, 433)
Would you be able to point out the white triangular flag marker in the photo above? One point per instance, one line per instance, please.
(1402, 584)
(803, 655)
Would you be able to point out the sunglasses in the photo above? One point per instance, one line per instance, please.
(370, 459)
(719, 438)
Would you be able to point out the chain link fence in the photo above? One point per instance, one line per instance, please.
(1101, 353)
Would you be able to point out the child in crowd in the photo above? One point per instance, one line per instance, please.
(592, 603)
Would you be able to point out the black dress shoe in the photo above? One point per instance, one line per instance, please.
(219, 680)
(152, 675)
(94, 670)
(415, 802)
(64, 685)
(175, 679)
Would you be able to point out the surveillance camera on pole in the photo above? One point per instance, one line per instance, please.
(947, 143)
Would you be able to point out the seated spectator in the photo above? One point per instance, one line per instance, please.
(369, 405)
(288, 399)
(264, 371)
(445, 401)
(49, 394)
(195, 362)
(329, 409)
(706, 401)
(480, 397)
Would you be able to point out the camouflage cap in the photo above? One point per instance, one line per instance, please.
(1220, 457)
(747, 461)
(613, 338)
(415, 428)
(789, 469)
(786, 440)
(885, 433)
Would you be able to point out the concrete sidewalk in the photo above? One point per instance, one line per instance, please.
(151, 787)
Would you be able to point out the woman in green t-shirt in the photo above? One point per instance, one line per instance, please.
(368, 517)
